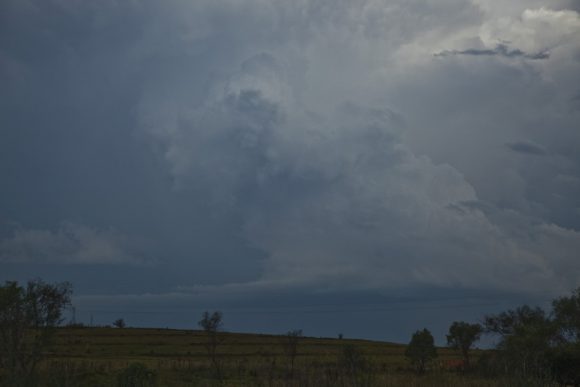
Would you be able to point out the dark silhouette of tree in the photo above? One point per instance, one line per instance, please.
(566, 311)
(462, 336)
(290, 344)
(28, 319)
(119, 323)
(534, 344)
(565, 358)
(211, 325)
(513, 321)
(354, 367)
(421, 350)
(527, 336)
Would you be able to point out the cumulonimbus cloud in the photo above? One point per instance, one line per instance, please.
(338, 200)
(350, 156)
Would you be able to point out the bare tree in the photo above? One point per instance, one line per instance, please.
(290, 343)
(354, 367)
(119, 323)
(211, 325)
(28, 318)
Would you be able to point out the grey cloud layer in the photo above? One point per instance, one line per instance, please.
(330, 135)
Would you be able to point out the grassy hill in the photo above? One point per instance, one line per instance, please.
(97, 356)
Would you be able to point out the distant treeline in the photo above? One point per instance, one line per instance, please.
(532, 344)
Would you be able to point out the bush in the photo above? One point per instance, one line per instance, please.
(137, 375)
(565, 363)
(354, 368)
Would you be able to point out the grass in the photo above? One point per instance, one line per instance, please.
(97, 356)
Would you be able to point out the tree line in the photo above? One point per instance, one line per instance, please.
(531, 343)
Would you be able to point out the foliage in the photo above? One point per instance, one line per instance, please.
(566, 311)
(536, 345)
(137, 375)
(512, 322)
(565, 364)
(421, 350)
(462, 336)
(355, 367)
(565, 358)
(28, 318)
(119, 323)
(526, 337)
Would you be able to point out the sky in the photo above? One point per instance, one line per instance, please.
(365, 167)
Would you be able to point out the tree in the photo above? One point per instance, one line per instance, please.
(566, 311)
(527, 336)
(28, 318)
(421, 350)
(566, 357)
(514, 321)
(536, 344)
(354, 367)
(462, 336)
(211, 325)
(119, 323)
(290, 343)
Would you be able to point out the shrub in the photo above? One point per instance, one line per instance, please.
(137, 375)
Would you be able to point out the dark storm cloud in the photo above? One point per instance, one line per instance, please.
(500, 50)
(526, 147)
(304, 146)
(71, 150)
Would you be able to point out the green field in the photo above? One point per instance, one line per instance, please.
(97, 356)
